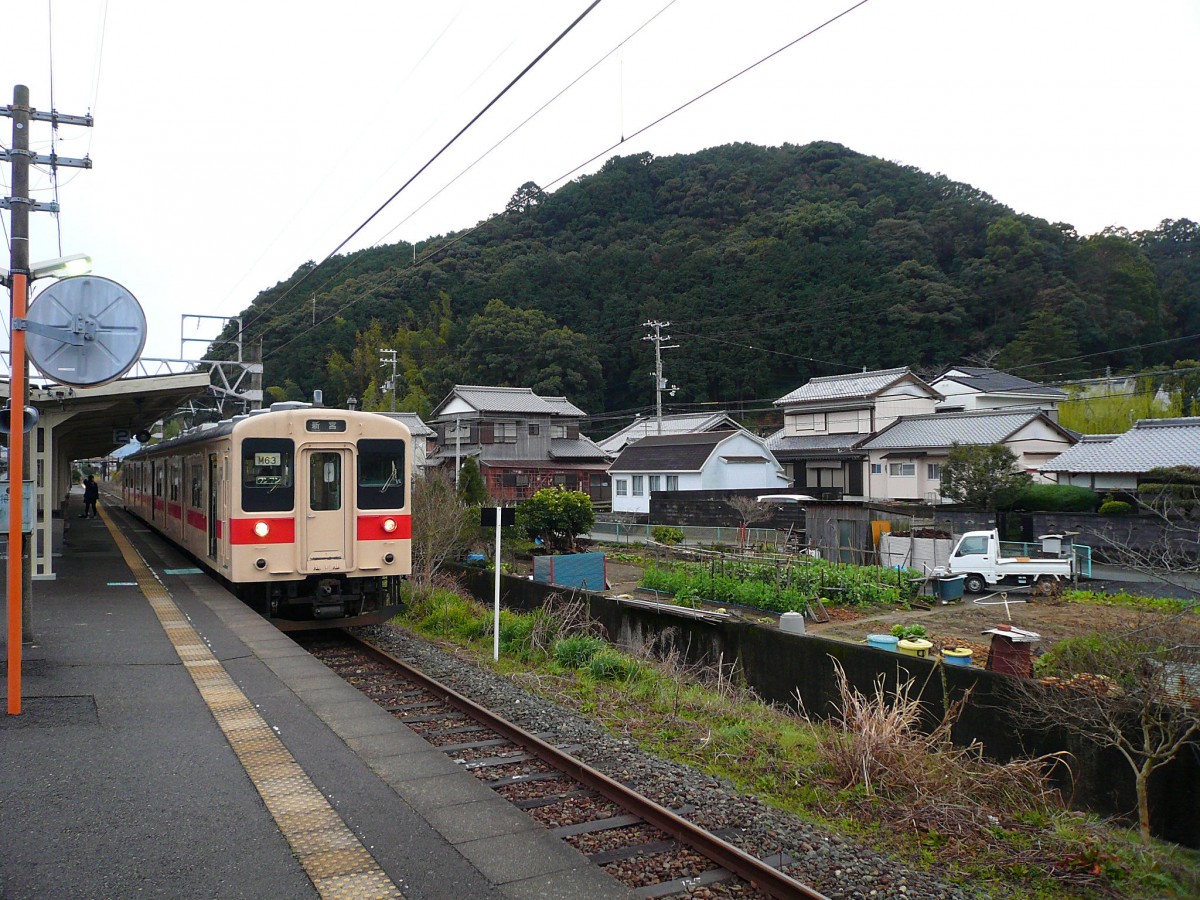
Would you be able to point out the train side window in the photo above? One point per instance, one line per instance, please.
(267, 484)
(196, 493)
(382, 472)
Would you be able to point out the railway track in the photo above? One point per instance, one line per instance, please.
(654, 850)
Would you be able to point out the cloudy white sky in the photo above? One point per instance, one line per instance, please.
(236, 140)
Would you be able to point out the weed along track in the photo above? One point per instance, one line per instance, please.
(654, 850)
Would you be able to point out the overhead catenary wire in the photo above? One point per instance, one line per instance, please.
(659, 120)
(386, 203)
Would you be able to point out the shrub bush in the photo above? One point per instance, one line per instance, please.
(1116, 508)
(1057, 498)
(665, 534)
(609, 665)
(577, 651)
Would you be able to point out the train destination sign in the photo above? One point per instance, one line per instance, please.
(325, 425)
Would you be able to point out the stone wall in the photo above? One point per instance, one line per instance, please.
(1108, 535)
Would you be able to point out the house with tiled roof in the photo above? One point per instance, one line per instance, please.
(825, 419)
(906, 457)
(1116, 461)
(714, 460)
(966, 388)
(522, 442)
(676, 423)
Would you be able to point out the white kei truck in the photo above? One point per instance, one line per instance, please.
(987, 562)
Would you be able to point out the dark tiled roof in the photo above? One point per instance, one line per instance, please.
(511, 401)
(944, 429)
(993, 381)
(414, 423)
(669, 453)
(811, 445)
(1151, 443)
(679, 423)
(854, 386)
(576, 448)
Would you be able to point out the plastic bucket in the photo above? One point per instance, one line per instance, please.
(919, 647)
(956, 656)
(882, 641)
(792, 623)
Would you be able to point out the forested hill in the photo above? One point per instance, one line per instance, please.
(772, 265)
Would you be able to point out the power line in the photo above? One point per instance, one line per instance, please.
(444, 148)
(493, 217)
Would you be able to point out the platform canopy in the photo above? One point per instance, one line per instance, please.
(90, 422)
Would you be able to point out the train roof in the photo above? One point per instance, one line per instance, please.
(210, 430)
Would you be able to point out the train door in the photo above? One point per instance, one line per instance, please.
(325, 538)
(214, 483)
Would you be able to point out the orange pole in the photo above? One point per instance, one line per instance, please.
(16, 468)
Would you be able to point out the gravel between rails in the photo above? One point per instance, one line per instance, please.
(835, 865)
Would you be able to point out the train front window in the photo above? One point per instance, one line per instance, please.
(381, 468)
(267, 484)
(325, 480)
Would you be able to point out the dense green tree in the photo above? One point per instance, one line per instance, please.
(815, 257)
(471, 488)
(557, 516)
(984, 476)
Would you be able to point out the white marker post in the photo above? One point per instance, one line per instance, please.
(498, 516)
(496, 637)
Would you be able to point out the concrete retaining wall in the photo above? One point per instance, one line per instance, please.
(778, 666)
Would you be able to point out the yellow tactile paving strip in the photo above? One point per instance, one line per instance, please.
(338, 864)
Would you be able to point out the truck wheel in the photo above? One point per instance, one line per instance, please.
(974, 584)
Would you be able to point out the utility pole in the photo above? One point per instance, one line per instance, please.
(20, 575)
(660, 383)
(388, 356)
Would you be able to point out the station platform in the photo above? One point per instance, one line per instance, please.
(172, 743)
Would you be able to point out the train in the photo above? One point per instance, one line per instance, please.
(302, 510)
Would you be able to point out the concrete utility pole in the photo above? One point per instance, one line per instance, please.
(660, 383)
(20, 575)
(388, 356)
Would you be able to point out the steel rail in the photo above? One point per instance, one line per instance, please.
(725, 854)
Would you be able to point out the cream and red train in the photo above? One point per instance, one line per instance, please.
(303, 510)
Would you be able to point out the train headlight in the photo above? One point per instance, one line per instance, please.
(260, 563)
(389, 525)
(389, 558)
(262, 529)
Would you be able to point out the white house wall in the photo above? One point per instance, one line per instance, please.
(901, 400)
(457, 407)
(1098, 481)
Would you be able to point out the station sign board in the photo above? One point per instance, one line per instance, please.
(26, 507)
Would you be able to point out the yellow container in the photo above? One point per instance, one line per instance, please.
(920, 647)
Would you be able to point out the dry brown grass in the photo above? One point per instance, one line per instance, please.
(920, 781)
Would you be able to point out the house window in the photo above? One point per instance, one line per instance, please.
(558, 431)
(655, 483)
(876, 468)
(902, 470)
(638, 482)
(622, 487)
(672, 482)
(934, 471)
(458, 431)
(504, 433)
(534, 428)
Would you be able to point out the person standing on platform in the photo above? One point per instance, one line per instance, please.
(91, 493)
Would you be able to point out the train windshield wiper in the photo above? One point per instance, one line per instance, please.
(391, 479)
